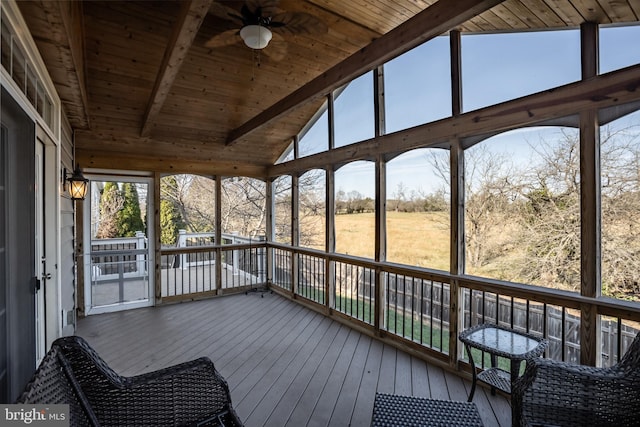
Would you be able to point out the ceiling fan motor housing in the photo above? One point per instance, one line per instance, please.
(256, 36)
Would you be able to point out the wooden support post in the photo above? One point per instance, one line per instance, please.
(590, 206)
(378, 101)
(330, 211)
(457, 247)
(79, 251)
(331, 122)
(590, 224)
(271, 227)
(456, 72)
(330, 238)
(218, 235)
(157, 178)
(380, 239)
(295, 230)
(589, 50)
(380, 202)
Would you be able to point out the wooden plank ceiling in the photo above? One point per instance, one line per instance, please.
(169, 85)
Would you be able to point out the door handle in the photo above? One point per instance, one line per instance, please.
(46, 276)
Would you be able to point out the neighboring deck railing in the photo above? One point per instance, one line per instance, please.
(190, 270)
(122, 257)
(418, 309)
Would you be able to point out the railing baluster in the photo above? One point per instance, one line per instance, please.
(356, 299)
(563, 334)
(512, 314)
(442, 347)
(497, 308)
(421, 302)
(619, 343)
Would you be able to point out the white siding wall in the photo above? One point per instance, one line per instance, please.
(67, 241)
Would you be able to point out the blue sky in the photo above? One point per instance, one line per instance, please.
(495, 68)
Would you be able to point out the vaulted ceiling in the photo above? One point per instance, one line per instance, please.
(169, 85)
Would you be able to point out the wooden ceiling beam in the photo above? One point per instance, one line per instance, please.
(101, 159)
(64, 30)
(608, 90)
(432, 22)
(192, 13)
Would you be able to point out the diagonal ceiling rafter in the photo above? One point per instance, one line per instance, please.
(432, 22)
(192, 13)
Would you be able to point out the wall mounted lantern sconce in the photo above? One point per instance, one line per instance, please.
(78, 184)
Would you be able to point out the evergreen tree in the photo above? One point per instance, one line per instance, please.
(110, 204)
(129, 217)
(171, 218)
(169, 223)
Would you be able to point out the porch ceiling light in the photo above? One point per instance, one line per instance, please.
(77, 184)
(256, 36)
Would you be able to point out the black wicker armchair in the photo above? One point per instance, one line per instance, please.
(552, 393)
(191, 393)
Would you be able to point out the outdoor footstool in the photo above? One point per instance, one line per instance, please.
(392, 410)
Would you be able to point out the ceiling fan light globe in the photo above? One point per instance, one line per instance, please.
(256, 36)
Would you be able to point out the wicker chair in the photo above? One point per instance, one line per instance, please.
(562, 394)
(191, 393)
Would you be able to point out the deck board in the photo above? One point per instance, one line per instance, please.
(261, 402)
(309, 398)
(419, 378)
(364, 403)
(403, 369)
(283, 410)
(327, 401)
(285, 364)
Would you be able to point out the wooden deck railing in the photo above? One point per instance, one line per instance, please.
(411, 307)
(189, 273)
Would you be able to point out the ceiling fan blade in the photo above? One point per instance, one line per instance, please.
(277, 48)
(236, 16)
(226, 9)
(226, 38)
(267, 7)
(248, 15)
(300, 23)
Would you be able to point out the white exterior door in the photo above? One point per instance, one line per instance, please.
(118, 242)
(40, 258)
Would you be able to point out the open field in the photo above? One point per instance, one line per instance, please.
(414, 238)
(418, 238)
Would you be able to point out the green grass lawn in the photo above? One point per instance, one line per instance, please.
(396, 322)
(430, 335)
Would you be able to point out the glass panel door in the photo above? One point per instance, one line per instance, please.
(118, 253)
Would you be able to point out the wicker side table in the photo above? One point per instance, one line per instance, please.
(500, 341)
(393, 411)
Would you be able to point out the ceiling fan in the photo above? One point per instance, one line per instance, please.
(260, 22)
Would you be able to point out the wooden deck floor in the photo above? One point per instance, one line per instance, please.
(285, 364)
